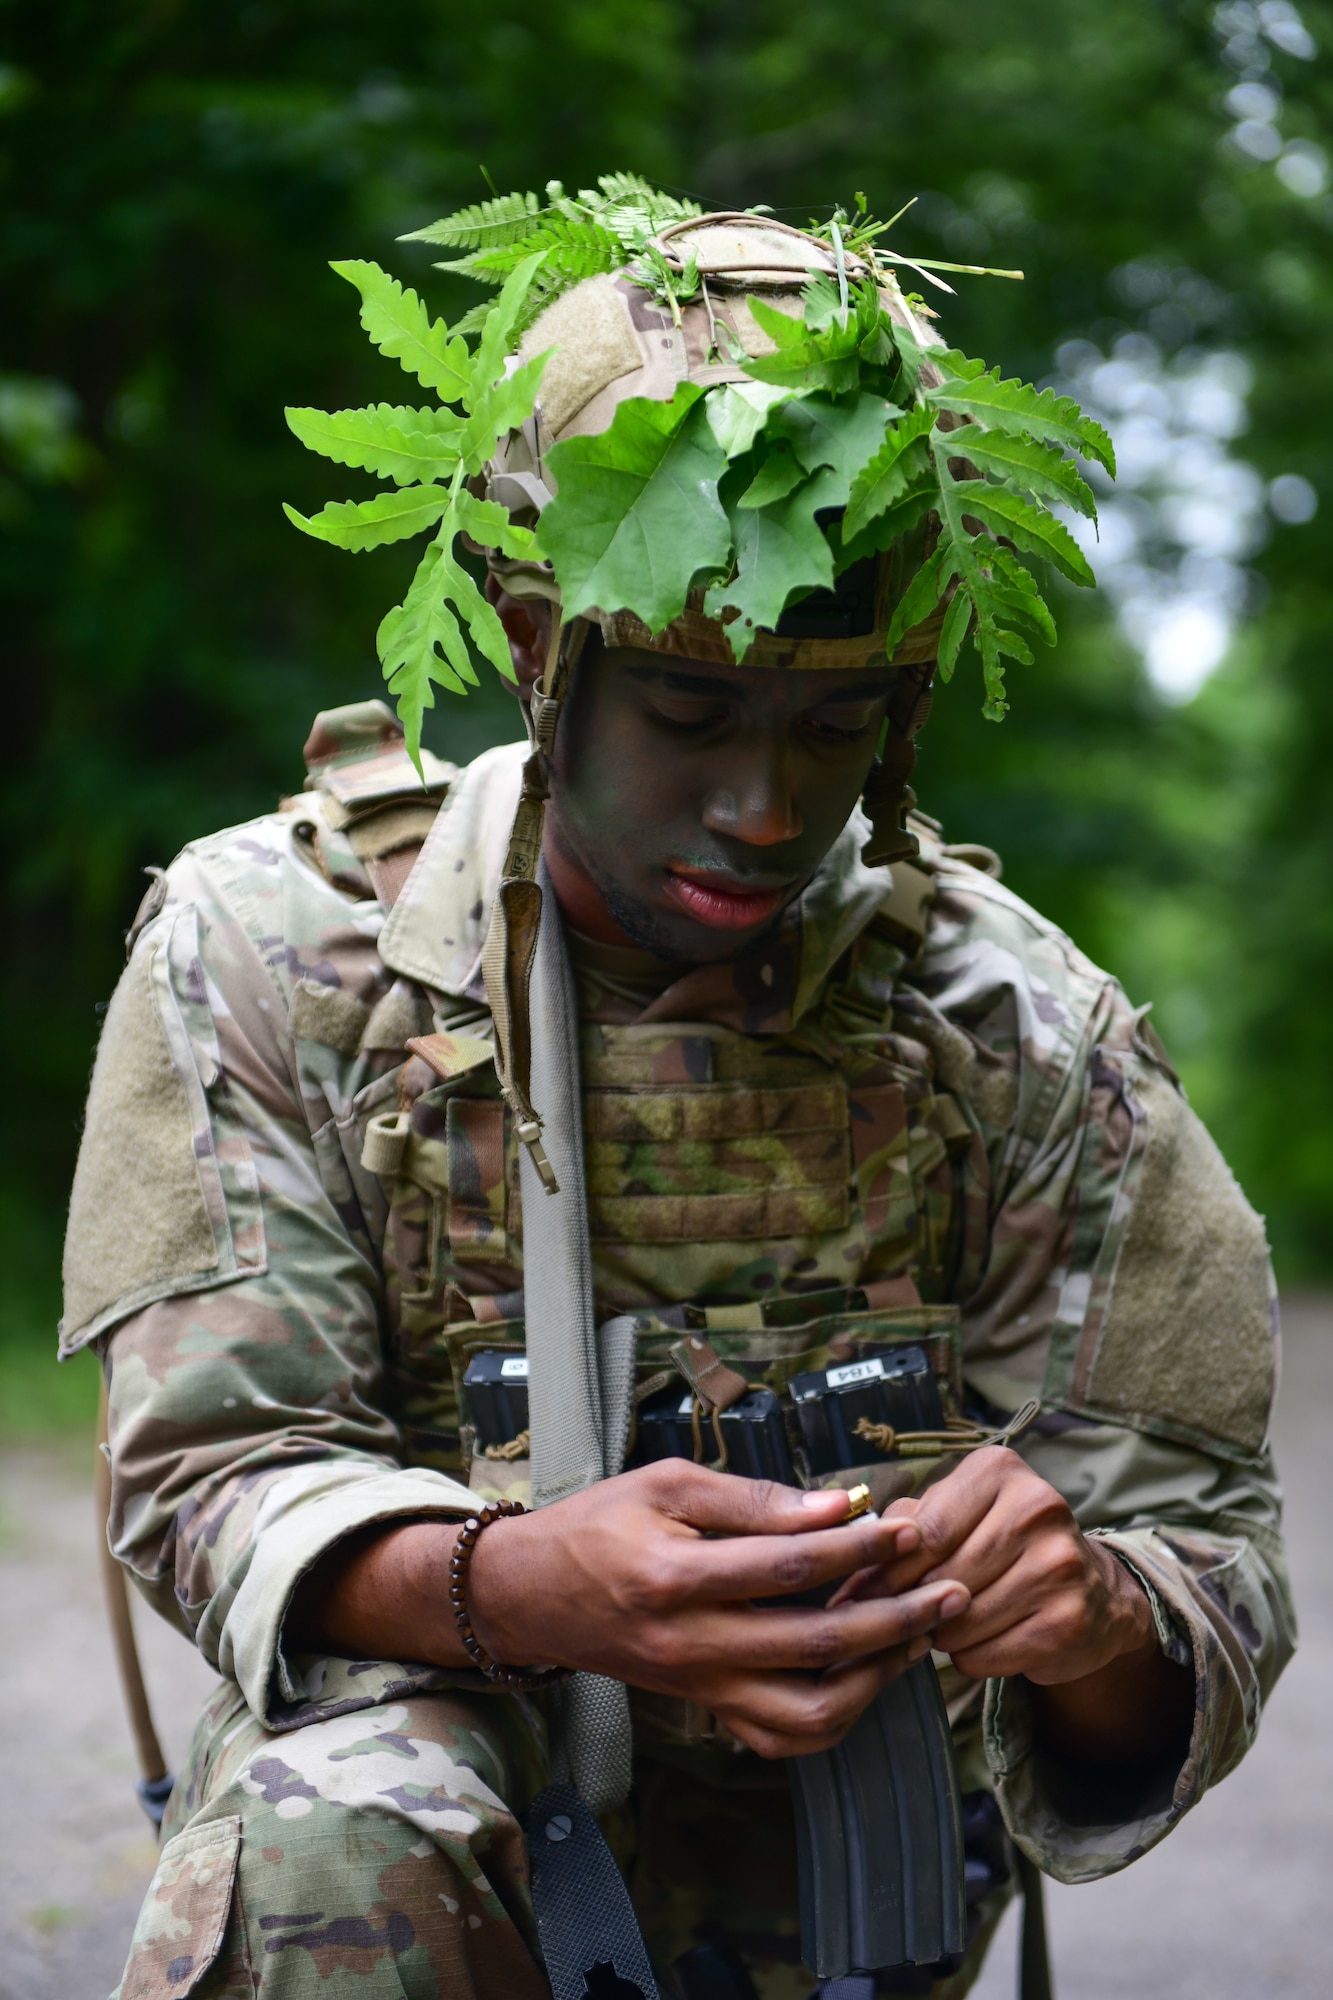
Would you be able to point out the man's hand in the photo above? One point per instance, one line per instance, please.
(651, 1578)
(1045, 1602)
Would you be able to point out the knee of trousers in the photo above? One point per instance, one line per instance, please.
(381, 1851)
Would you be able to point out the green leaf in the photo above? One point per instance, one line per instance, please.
(575, 248)
(633, 189)
(920, 597)
(1017, 407)
(501, 408)
(369, 524)
(474, 319)
(959, 554)
(395, 443)
(843, 435)
(912, 357)
(896, 521)
(738, 411)
(502, 220)
(953, 632)
(776, 477)
(1007, 513)
(500, 323)
(1014, 586)
(787, 332)
(421, 641)
(822, 303)
(1039, 469)
(400, 327)
(801, 368)
(781, 550)
(805, 359)
(637, 516)
(488, 523)
(884, 480)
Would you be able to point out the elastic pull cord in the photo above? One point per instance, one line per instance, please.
(957, 1439)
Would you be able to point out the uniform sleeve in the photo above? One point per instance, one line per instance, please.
(1203, 1536)
(1117, 1271)
(218, 1254)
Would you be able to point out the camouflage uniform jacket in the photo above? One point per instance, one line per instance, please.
(917, 1088)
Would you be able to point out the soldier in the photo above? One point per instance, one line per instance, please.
(825, 1109)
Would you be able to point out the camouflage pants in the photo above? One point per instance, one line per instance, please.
(381, 1854)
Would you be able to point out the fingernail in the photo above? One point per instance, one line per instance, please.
(820, 1496)
(954, 1603)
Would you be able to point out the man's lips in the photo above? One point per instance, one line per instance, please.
(715, 901)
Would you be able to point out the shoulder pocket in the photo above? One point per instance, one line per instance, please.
(165, 1196)
(1180, 1339)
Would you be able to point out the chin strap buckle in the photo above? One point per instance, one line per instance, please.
(545, 716)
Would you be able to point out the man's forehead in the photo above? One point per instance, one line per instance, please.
(803, 687)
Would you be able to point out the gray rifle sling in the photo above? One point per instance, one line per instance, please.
(579, 1380)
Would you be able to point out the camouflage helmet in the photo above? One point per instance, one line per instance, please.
(609, 340)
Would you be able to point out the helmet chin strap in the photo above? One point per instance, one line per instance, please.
(511, 942)
(888, 796)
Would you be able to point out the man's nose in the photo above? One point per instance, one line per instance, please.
(758, 803)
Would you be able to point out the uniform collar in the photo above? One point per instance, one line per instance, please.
(436, 929)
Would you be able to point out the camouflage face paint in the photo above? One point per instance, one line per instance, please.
(700, 800)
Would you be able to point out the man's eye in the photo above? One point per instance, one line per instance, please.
(840, 727)
(685, 713)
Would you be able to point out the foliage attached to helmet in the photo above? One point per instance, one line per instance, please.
(669, 421)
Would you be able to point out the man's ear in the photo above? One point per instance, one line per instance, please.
(527, 623)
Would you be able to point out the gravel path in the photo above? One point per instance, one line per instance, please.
(1227, 1909)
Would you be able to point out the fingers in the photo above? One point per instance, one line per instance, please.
(781, 1716)
(791, 1719)
(947, 1514)
(1049, 1615)
(759, 1639)
(777, 1565)
(982, 1513)
(1026, 1647)
(768, 1540)
(716, 1503)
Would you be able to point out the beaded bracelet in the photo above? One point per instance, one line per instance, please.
(469, 1534)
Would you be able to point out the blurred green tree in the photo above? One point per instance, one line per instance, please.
(174, 180)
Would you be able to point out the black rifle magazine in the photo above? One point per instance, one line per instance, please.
(880, 1837)
(590, 1936)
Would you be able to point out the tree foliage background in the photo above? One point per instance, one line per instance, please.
(174, 180)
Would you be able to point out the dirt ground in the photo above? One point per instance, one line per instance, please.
(1226, 1910)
